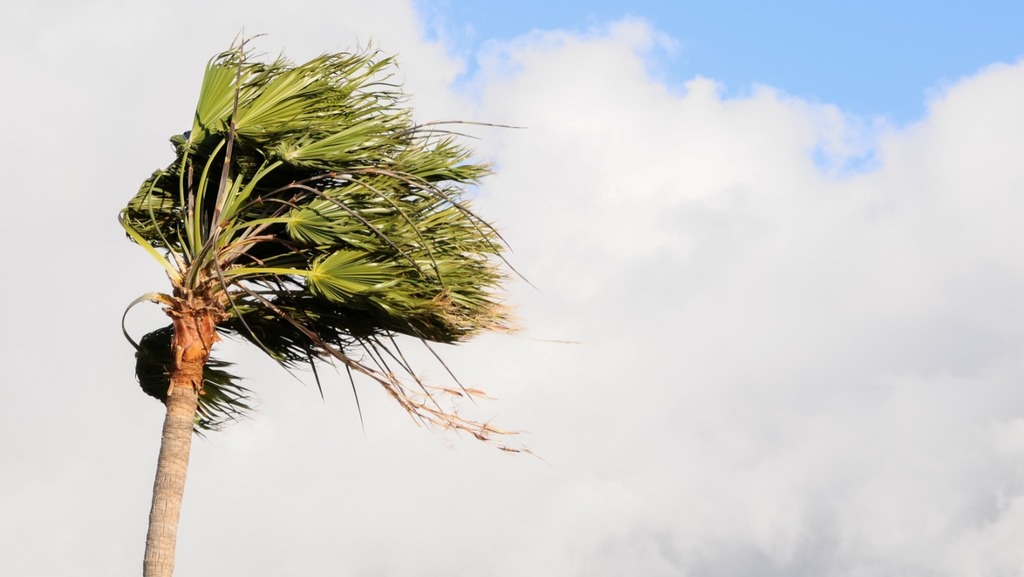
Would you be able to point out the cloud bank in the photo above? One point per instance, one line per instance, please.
(789, 368)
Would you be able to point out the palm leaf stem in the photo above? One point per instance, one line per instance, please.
(173, 273)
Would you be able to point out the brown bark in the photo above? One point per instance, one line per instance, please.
(193, 337)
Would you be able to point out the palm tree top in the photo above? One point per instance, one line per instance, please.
(306, 212)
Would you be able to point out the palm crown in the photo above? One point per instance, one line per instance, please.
(306, 212)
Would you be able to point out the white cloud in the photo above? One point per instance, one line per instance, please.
(786, 367)
(800, 366)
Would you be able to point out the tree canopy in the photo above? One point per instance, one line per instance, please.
(310, 215)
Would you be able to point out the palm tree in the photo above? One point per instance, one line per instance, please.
(306, 213)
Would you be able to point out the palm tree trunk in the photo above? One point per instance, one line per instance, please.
(171, 467)
(193, 336)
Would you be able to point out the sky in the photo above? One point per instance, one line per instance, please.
(773, 327)
(874, 58)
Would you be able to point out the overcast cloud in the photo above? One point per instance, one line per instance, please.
(800, 333)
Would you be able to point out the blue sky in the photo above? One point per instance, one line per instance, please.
(870, 58)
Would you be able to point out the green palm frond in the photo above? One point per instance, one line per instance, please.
(306, 205)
